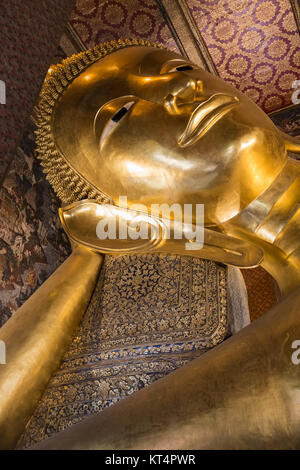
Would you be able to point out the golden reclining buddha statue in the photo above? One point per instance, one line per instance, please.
(131, 120)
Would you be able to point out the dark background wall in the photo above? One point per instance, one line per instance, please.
(29, 35)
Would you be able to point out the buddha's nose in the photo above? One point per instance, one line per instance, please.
(181, 100)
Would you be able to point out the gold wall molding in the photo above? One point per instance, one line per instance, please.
(70, 42)
(186, 33)
(296, 9)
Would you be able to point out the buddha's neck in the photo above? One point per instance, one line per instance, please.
(272, 222)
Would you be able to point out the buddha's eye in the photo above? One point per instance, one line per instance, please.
(119, 114)
(115, 121)
(182, 68)
(172, 66)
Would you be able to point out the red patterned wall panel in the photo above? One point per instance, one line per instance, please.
(97, 21)
(263, 292)
(255, 45)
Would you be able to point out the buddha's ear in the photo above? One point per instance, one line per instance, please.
(291, 143)
(116, 231)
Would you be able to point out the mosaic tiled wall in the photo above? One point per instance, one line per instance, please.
(32, 242)
(29, 36)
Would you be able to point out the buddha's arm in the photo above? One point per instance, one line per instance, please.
(243, 394)
(36, 337)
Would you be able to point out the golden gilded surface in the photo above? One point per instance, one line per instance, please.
(187, 136)
(80, 223)
(147, 124)
(68, 183)
(184, 137)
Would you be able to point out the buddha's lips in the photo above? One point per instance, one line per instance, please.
(205, 116)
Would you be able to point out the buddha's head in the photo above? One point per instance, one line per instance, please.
(135, 120)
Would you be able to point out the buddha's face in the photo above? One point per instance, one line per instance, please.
(150, 125)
